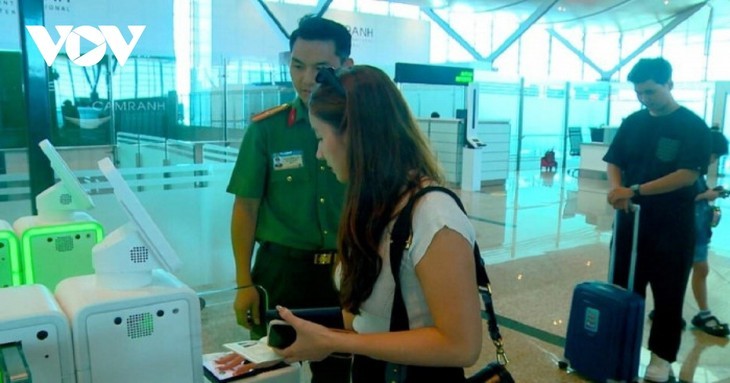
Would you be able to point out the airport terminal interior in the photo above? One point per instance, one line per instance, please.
(109, 142)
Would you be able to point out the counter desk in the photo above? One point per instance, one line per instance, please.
(591, 160)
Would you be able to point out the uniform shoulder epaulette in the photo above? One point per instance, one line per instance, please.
(269, 112)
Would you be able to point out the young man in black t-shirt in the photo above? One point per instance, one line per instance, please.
(654, 161)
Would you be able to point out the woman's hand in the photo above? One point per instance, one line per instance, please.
(312, 339)
(234, 363)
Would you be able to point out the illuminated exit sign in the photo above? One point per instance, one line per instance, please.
(465, 77)
(433, 74)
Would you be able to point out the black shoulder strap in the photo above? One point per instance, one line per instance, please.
(400, 239)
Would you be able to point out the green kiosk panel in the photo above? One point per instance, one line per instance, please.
(56, 243)
(55, 252)
(9, 256)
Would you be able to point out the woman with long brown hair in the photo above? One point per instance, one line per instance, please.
(371, 141)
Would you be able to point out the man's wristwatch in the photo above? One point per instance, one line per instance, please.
(635, 189)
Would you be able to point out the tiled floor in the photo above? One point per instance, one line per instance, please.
(555, 234)
(540, 235)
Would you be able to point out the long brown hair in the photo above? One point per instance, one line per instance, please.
(387, 157)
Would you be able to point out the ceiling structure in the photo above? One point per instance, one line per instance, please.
(652, 19)
(607, 15)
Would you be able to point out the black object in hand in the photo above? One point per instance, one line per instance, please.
(326, 316)
(281, 334)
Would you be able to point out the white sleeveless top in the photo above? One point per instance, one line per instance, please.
(433, 212)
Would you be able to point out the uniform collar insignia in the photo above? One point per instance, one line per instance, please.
(269, 112)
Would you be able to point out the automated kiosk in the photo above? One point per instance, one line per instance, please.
(57, 243)
(9, 256)
(35, 337)
(133, 320)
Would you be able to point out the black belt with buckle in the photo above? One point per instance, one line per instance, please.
(318, 257)
(324, 258)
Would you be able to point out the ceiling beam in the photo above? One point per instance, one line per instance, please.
(708, 31)
(319, 10)
(452, 33)
(524, 26)
(273, 18)
(604, 75)
(676, 21)
(322, 7)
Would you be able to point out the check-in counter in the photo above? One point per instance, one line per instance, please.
(495, 158)
(591, 160)
(591, 154)
(446, 137)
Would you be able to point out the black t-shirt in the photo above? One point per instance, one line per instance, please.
(649, 147)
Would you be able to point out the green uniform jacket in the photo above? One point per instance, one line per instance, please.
(301, 200)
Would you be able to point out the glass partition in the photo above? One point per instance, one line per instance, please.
(499, 99)
(543, 121)
(426, 99)
(695, 96)
(622, 103)
(588, 114)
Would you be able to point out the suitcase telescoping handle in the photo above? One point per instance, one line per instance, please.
(634, 241)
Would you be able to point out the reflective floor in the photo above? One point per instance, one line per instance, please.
(540, 235)
(543, 233)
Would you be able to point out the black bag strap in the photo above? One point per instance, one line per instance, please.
(400, 239)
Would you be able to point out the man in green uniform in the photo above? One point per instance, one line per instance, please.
(287, 200)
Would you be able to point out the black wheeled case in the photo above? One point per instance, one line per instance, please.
(606, 324)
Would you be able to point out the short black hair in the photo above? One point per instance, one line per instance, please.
(317, 28)
(657, 69)
(718, 143)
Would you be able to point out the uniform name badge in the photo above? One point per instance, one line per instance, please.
(288, 160)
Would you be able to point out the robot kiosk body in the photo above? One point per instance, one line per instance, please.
(57, 243)
(133, 320)
(35, 337)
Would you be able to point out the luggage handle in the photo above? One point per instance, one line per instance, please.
(634, 242)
